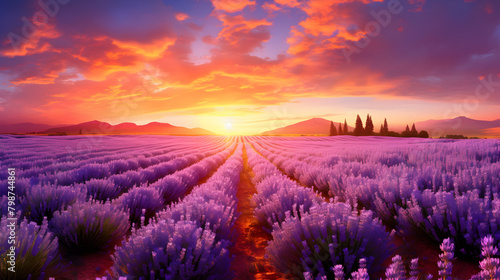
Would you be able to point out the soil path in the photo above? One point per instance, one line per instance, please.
(251, 239)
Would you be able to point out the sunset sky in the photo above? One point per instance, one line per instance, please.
(248, 66)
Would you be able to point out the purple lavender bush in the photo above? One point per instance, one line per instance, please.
(209, 194)
(120, 166)
(43, 201)
(331, 234)
(21, 187)
(80, 175)
(127, 180)
(171, 188)
(4, 205)
(137, 199)
(467, 218)
(172, 250)
(285, 202)
(36, 251)
(269, 186)
(101, 189)
(211, 215)
(89, 227)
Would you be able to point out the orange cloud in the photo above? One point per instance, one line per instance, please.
(36, 44)
(299, 42)
(103, 56)
(232, 6)
(238, 23)
(328, 26)
(149, 50)
(46, 79)
(241, 35)
(270, 7)
(181, 16)
(290, 3)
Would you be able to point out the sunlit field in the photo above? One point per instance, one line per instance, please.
(209, 207)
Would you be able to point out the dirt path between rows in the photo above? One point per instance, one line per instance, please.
(251, 240)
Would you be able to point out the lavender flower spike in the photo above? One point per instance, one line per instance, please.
(490, 266)
(445, 264)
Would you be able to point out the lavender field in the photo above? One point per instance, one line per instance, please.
(207, 207)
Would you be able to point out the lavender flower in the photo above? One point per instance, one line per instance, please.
(43, 201)
(170, 250)
(490, 266)
(287, 201)
(138, 199)
(331, 234)
(338, 271)
(87, 172)
(445, 264)
(467, 217)
(208, 194)
(89, 226)
(36, 251)
(396, 270)
(362, 272)
(206, 215)
(414, 269)
(101, 189)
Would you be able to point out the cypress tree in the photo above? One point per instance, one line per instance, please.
(346, 129)
(333, 130)
(358, 130)
(407, 132)
(386, 127)
(414, 132)
(382, 130)
(340, 129)
(369, 125)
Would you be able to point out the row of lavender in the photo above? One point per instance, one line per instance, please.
(77, 168)
(63, 154)
(292, 246)
(101, 181)
(441, 189)
(189, 239)
(80, 218)
(310, 235)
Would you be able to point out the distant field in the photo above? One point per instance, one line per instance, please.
(207, 207)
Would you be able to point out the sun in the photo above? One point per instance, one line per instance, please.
(229, 126)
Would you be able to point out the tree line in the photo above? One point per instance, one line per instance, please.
(368, 129)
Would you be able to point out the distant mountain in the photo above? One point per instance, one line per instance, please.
(315, 126)
(97, 127)
(460, 125)
(26, 127)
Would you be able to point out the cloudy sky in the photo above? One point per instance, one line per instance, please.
(248, 66)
